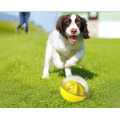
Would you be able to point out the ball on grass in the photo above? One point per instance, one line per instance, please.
(74, 88)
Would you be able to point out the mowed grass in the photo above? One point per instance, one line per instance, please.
(21, 65)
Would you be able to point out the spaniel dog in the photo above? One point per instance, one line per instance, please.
(66, 42)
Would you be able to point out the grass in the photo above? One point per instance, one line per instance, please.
(23, 87)
(68, 12)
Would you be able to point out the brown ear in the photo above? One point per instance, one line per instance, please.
(84, 29)
(59, 25)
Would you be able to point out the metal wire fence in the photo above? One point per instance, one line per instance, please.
(8, 17)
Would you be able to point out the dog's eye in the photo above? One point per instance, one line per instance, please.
(77, 21)
(67, 22)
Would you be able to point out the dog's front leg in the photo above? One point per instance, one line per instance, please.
(48, 59)
(68, 72)
(75, 59)
(57, 60)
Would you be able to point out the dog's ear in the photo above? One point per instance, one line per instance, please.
(59, 25)
(84, 29)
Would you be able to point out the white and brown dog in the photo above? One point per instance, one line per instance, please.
(66, 41)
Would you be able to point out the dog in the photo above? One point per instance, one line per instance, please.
(66, 41)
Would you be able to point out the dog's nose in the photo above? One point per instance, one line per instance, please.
(73, 31)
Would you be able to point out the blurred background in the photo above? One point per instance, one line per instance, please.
(100, 24)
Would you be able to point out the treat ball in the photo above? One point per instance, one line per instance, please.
(74, 88)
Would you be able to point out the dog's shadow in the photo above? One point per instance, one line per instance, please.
(86, 74)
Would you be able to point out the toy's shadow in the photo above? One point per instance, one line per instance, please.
(86, 74)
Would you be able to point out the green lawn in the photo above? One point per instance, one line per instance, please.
(23, 87)
(68, 12)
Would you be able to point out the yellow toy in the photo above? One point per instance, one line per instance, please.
(74, 88)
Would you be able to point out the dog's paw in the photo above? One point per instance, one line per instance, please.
(45, 76)
(59, 64)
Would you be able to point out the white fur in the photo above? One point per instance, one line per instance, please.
(58, 46)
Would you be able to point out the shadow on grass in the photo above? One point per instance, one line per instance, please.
(86, 74)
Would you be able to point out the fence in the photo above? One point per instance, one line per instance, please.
(8, 17)
(46, 20)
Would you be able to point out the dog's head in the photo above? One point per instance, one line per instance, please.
(71, 26)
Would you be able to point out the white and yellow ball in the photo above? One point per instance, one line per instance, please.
(74, 88)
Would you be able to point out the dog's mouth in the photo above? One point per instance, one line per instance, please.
(72, 38)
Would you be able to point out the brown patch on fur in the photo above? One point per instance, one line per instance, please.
(82, 24)
(62, 23)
